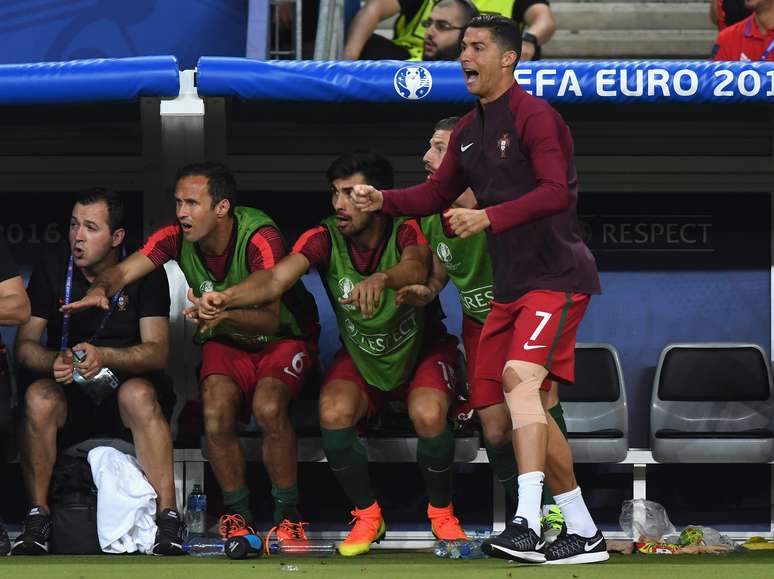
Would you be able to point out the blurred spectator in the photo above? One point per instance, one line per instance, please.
(724, 13)
(751, 39)
(443, 29)
(534, 16)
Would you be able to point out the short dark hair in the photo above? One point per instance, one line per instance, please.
(220, 181)
(447, 124)
(115, 205)
(469, 10)
(505, 32)
(375, 168)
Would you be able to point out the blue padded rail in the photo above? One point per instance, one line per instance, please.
(82, 81)
(562, 82)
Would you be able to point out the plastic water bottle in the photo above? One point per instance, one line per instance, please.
(306, 548)
(471, 550)
(196, 513)
(441, 549)
(459, 549)
(205, 547)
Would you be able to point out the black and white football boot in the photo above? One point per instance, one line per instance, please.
(36, 534)
(572, 549)
(516, 543)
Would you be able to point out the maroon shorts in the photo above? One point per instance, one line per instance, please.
(289, 361)
(540, 327)
(436, 370)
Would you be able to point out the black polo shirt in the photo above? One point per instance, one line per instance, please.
(148, 297)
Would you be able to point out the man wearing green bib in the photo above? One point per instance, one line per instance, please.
(252, 358)
(467, 264)
(389, 350)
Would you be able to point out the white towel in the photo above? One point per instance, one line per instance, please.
(126, 502)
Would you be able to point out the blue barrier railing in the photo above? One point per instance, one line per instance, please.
(118, 79)
(438, 82)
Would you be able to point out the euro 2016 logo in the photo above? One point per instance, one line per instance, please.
(206, 286)
(444, 253)
(345, 287)
(413, 82)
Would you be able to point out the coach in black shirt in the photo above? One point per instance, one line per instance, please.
(131, 339)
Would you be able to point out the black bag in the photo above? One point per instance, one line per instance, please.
(73, 499)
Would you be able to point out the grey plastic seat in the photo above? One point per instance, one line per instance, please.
(712, 402)
(595, 406)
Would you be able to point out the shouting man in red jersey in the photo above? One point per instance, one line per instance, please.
(516, 153)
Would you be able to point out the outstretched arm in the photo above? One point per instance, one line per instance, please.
(111, 280)
(258, 289)
(432, 196)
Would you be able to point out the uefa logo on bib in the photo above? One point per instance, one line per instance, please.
(444, 253)
(413, 82)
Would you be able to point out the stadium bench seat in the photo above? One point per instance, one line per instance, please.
(712, 402)
(595, 406)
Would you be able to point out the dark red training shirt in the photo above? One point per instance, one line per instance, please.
(520, 166)
(264, 250)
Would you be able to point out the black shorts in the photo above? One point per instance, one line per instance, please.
(85, 419)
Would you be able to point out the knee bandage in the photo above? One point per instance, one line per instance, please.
(524, 400)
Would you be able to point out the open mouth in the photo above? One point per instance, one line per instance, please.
(342, 220)
(78, 252)
(471, 75)
(186, 227)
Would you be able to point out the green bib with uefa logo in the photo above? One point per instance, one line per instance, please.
(385, 348)
(200, 280)
(410, 34)
(468, 265)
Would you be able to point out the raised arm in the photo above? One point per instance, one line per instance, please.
(134, 267)
(364, 24)
(432, 196)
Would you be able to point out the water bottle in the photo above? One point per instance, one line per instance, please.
(196, 513)
(205, 547)
(304, 548)
(441, 549)
(471, 550)
(454, 550)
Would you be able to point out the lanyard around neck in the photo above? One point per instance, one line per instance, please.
(68, 294)
(748, 31)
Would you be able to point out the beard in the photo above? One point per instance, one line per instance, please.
(448, 53)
